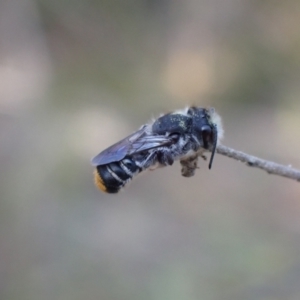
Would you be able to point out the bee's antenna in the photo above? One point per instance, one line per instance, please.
(215, 137)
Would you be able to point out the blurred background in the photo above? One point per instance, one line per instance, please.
(77, 76)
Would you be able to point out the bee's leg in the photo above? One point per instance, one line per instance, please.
(200, 153)
(165, 158)
(150, 160)
(203, 156)
(189, 165)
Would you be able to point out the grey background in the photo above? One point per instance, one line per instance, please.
(77, 76)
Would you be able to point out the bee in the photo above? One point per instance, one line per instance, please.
(181, 135)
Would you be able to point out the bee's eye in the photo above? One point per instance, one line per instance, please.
(206, 130)
(206, 134)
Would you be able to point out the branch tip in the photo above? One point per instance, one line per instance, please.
(253, 161)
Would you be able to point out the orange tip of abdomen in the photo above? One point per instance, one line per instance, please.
(99, 182)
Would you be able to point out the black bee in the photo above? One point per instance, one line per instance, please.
(182, 135)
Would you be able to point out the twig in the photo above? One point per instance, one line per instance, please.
(252, 161)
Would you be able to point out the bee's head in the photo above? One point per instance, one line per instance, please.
(205, 129)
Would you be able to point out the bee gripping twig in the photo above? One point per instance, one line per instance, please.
(252, 161)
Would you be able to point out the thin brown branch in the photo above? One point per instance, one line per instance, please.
(252, 161)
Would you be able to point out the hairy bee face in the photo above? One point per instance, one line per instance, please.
(183, 135)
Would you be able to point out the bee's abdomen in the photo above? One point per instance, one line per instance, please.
(106, 180)
(112, 177)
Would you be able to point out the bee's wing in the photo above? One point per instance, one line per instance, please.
(134, 143)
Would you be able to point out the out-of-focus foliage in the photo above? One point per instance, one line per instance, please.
(76, 76)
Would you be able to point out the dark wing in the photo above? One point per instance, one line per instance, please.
(134, 143)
